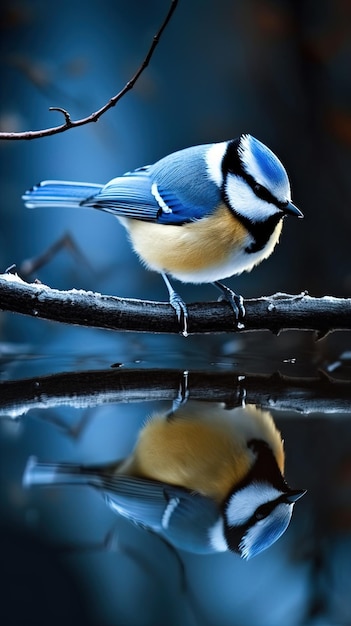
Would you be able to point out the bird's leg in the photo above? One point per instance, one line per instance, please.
(181, 398)
(178, 304)
(236, 302)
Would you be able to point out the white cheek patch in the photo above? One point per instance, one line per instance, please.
(244, 503)
(214, 158)
(244, 201)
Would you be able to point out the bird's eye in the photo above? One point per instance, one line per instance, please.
(263, 511)
(259, 515)
(260, 191)
(263, 193)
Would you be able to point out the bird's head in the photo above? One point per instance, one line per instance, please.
(253, 180)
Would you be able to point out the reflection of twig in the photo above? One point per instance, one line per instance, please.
(94, 117)
(74, 431)
(93, 388)
(85, 308)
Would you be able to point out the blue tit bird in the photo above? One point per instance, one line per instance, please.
(206, 479)
(200, 215)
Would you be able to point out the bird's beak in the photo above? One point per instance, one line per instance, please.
(291, 209)
(292, 496)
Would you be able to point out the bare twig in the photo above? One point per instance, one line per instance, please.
(29, 266)
(94, 117)
(85, 308)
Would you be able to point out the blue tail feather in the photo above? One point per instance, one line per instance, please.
(58, 193)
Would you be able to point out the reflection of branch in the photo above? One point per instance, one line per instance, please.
(85, 308)
(94, 117)
(93, 388)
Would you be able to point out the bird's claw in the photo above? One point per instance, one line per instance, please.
(178, 305)
(181, 312)
(182, 396)
(236, 301)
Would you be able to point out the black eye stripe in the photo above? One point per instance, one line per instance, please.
(264, 510)
(261, 192)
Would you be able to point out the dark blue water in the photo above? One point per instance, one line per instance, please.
(67, 556)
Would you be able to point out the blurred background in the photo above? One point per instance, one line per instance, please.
(279, 70)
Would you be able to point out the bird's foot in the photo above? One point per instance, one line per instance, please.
(236, 302)
(178, 305)
(181, 397)
(181, 311)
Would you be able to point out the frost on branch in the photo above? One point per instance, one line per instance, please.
(87, 308)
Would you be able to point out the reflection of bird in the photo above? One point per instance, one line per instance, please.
(206, 479)
(200, 214)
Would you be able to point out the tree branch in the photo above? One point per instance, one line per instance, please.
(85, 308)
(89, 389)
(94, 117)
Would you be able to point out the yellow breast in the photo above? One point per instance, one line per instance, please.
(192, 247)
(211, 466)
(205, 250)
(203, 448)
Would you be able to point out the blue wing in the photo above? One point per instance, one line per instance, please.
(178, 515)
(128, 196)
(174, 190)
